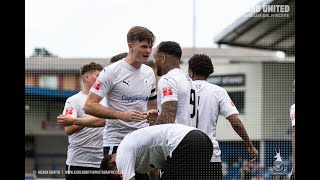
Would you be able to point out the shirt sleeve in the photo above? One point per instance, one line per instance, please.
(103, 102)
(103, 82)
(168, 90)
(70, 108)
(227, 107)
(126, 165)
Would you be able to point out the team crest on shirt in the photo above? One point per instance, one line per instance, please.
(69, 111)
(232, 104)
(97, 85)
(167, 91)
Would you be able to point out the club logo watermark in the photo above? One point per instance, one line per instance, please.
(278, 167)
(269, 11)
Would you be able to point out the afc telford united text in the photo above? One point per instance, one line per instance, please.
(271, 8)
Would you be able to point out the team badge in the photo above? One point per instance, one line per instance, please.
(167, 91)
(97, 85)
(232, 104)
(69, 111)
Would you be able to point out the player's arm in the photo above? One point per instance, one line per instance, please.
(93, 107)
(152, 104)
(154, 175)
(152, 101)
(69, 130)
(152, 110)
(67, 120)
(70, 109)
(241, 131)
(152, 113)
(168, 112)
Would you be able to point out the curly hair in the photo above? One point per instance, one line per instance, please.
(90, 67)
(118, 57)
(201, 64)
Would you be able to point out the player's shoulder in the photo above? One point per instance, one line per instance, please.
(113, 66)
(293, 106)
(173, 75)
(146, 68)
(165, 79)
(214, 87)
(176, 72)
(211, 90)
(75, 96)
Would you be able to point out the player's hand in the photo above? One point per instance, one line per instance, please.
(151, 115)
(65, 120)
(132, 115)
(253, 153)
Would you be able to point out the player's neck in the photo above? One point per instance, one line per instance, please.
(170, 67)
(86, 89)
(196, 77)
(130, 60)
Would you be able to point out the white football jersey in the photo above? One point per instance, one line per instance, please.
(213, 101)
(177, 86)
(85, 146)
(293, 115)
(125, 88)
(146, 149)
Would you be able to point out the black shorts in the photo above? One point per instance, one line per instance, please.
(82, 173)
(191, 158)
(106, 150)
(215, 170)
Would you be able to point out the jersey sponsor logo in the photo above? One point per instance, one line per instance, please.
(167, 91)
(97, 85)
(232, 104)
(135, 98)
(293, 116)
(69, 111)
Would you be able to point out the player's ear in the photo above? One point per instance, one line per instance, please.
(130, 45)
(86, 77)
(163, 58)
